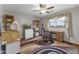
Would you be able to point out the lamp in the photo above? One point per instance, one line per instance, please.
(15, 26)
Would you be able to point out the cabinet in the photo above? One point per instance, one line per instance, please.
(28, 33)
(59, 36)
(7, 21)
(10, 42)
(13, 48)
(10, 36)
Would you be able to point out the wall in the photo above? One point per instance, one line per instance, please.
(1, 13)
(75, 21)
(0, 25)
(75, 24)
(21, 18)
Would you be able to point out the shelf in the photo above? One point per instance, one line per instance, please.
(7, 21)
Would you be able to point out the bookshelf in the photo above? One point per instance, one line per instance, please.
(7, 21)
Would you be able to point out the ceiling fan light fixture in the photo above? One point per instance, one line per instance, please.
(43, 8)
(43, 11)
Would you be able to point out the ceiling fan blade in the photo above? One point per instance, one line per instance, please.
(42, 5)
(50, 7)
(36, 10)
(49, 11)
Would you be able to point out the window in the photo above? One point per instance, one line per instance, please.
(57, 22)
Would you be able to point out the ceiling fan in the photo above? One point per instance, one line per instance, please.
(44, 8)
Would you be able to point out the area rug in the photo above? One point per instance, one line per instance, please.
(49, 50)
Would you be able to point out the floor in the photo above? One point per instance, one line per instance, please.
(26, 48)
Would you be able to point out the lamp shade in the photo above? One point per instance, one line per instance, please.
(15, 26)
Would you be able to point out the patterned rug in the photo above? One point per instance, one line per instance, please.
(49, 50)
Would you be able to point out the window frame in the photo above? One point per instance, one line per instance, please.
(56, 17)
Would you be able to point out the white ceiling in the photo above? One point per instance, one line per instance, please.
(28, 8)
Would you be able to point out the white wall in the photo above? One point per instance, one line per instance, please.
(1, 13)
(0, 24)
(21, 18)
(75, 22)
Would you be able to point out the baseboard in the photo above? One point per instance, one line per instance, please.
(70, 43)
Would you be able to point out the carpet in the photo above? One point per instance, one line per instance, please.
(49, 50)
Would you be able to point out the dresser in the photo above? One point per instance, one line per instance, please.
(58, 36)
(10, 42)
(28, 33)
